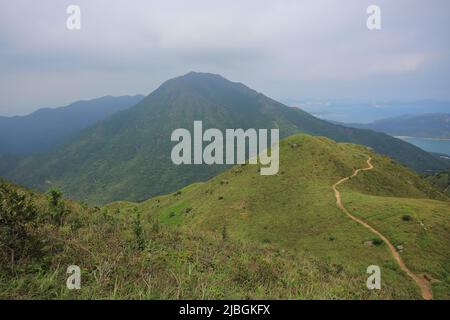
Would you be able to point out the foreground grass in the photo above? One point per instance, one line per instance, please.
(419, 227)
(158, 262)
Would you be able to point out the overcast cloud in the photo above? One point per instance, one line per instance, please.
(285, 49)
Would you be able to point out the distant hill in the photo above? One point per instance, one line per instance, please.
(127, 156)
(423, 126)
(295, 211)
(46, 128)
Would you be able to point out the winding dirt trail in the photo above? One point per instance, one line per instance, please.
(421, 281)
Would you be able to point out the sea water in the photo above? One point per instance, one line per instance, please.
(430, 144)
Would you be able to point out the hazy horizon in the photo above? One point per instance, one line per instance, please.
(288, 50)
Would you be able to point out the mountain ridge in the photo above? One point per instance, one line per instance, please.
(127, 155)
(46, 128)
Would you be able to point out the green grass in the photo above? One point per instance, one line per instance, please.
(174, 264)
(295, 210)
(425, 238)
(440, 180)
(285, 237)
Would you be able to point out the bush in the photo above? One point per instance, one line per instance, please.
(138, 231)
(377, 241)
(18, 220)
(57, 209)
(406, 217)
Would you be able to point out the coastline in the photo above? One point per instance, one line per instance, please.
(424, 138)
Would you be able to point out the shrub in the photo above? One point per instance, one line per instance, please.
(338, 268)
(57, 208)
(138, 231)
(377, 241)
(18, 219)
(406, 217)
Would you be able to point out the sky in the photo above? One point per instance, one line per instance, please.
(295, 49)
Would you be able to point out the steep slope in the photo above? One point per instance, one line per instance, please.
(424, 126)
(296, 211)
(45, 128)
(127, 156)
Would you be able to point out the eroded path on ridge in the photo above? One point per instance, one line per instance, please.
(421, 281)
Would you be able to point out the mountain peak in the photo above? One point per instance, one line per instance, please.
(202, 75)
(200, 78)
(204, 84)
(135, 144)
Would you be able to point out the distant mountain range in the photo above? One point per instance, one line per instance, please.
(127, 155)
(423, 126)
(46, 128)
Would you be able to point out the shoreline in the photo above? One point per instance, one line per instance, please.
(424, 138)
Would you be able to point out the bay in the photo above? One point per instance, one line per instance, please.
(429, 144)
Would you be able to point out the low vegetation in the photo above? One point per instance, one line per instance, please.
(295, 211)
(239, 235)
(440, 180)
(125, 256)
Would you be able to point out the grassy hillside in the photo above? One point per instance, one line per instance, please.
(295, 211)
(126, 255)
(238, 235)
(127, 156)
(440, 180)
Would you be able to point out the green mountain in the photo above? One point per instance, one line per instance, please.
(127, 156)
(436, 125)
(295, 212)
(239, 235)
(46, 128)
(440, 180)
